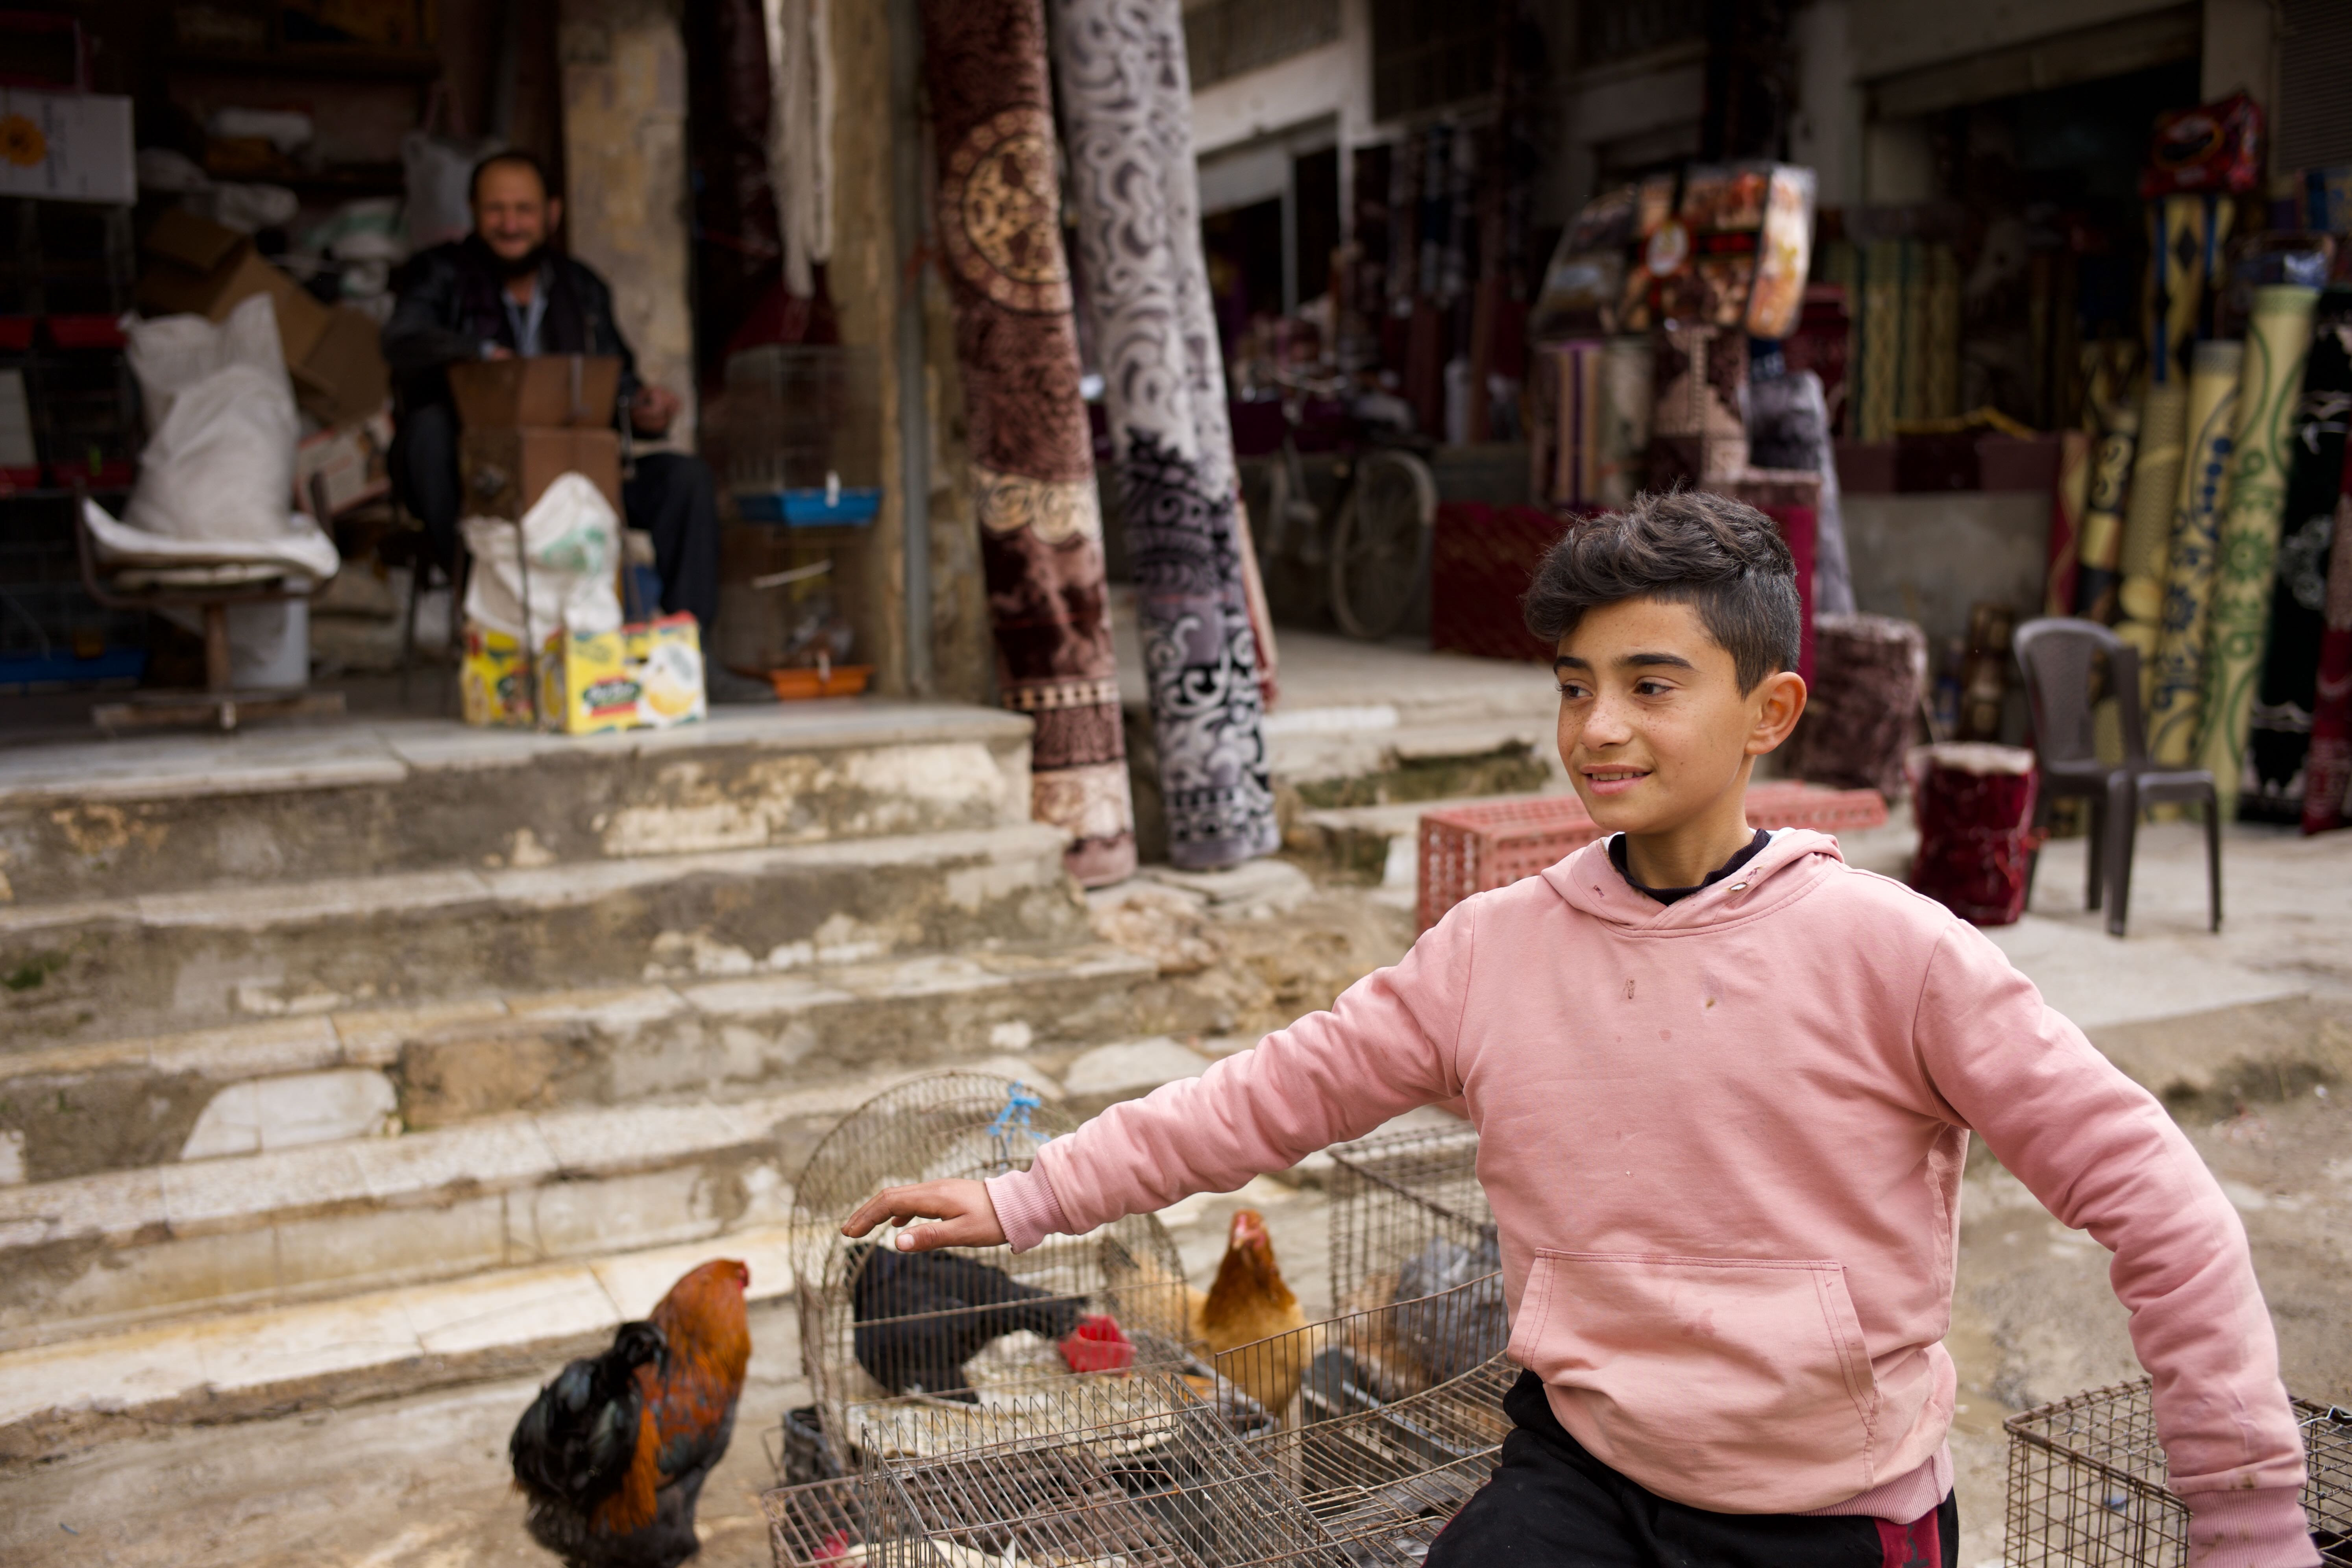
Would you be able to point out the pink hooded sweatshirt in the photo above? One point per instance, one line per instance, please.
(1724, 1140)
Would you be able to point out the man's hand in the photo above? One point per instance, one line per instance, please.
(652, 409)
(965, 1215)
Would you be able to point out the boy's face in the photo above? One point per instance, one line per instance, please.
(1654, 728)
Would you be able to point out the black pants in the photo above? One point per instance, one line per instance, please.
(1552, 1504)
(670, 496)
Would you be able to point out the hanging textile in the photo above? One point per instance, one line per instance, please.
(2147, 517)
(2280, 733)
(2177, 687)
(2278, 340)
(2327, 769)
(2068, 497)
(800, 136)
(1032, 455)
(1127, 110)
(2186, 234)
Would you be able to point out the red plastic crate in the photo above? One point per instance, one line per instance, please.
(1471, 849)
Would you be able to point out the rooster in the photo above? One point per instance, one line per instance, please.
(613, 1453)
(1248, 1301)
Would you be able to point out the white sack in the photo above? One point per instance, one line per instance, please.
(215, 476)
(171, 353)
(437, 170)
(573, 540)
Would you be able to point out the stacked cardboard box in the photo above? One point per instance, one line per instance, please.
(526, 421)
(195, 267)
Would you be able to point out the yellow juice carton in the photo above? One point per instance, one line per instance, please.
(493, 684)
(667, 656)
(589, 684)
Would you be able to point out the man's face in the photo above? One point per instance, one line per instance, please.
(511, 213)
(1653, 724)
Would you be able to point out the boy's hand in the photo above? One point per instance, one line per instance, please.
(966, 1217)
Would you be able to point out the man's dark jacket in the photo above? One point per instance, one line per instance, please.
(452, 302)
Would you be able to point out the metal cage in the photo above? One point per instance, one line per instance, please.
(2086, 1484)
(867, 1312)
(1402, 1198)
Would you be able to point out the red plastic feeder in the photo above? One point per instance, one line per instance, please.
(1098, 1344)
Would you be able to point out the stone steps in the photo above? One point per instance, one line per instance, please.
(137, 817)
(159, 963)
(117, 1249)
(513, 1322)
(278, 1083)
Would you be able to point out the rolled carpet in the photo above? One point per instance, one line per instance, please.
(2278, 342)
(2147, 518)
(2177, 686)
(2327, 769)
(1869, 672)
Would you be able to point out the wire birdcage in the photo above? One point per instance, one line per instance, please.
(949, 1330)
(821, 1524)
(1164, 1483)
(1408, 1216)
(2086, 1484)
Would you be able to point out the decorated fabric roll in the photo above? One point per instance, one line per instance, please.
(2185, 234)
(1869, 673)
(1628, 371)
(2328, 768)
(1974, 803)
(2147, 516)
(2176, 700)
(2101, 546)
(2067, 498)
(1126, 110)
(2278, 735)
(2278, 340)
(999, 214)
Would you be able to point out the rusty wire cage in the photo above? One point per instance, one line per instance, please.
(949, 1329)
(2086, 1484)
(1408, 1216)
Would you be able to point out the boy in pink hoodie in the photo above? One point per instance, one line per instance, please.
(1724, 1085)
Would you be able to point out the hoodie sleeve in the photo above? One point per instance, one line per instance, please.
(2103, 1156)
(1387, 1045)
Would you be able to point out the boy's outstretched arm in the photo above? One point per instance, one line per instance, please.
(2103, 1156)
(1386, 1047)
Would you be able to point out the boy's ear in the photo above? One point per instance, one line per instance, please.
(1774, 710)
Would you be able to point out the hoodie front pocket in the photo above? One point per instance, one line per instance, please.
(1736, 1383)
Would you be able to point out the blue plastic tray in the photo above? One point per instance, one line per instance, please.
(807, 509)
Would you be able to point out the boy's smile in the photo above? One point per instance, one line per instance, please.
(1658, 738)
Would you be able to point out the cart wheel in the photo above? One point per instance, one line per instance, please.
(1380, 544)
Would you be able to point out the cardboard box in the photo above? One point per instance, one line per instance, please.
(643, 677)
(502, 472)
(343, 379)
(201, 268)
(576, 391)
(66, 147)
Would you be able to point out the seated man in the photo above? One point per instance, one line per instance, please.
(500, 291)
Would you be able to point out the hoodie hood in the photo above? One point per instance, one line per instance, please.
(1795, 863)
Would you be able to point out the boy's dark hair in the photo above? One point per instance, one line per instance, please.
(519, 159)
(1720, 557)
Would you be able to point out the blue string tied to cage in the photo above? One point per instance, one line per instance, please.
(1019, 1099)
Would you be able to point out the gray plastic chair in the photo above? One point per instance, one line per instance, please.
(2061, 659)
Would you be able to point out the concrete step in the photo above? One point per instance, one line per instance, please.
(117, 1249)
(1331, 758)
(161, 962)
(512, 1323)
(279, 1083)
(112, 818)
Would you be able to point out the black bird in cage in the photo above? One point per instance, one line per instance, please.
(921, 1315)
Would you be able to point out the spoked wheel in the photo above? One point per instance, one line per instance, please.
(1380, 544)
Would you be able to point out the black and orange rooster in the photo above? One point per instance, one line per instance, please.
(613, 1453)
